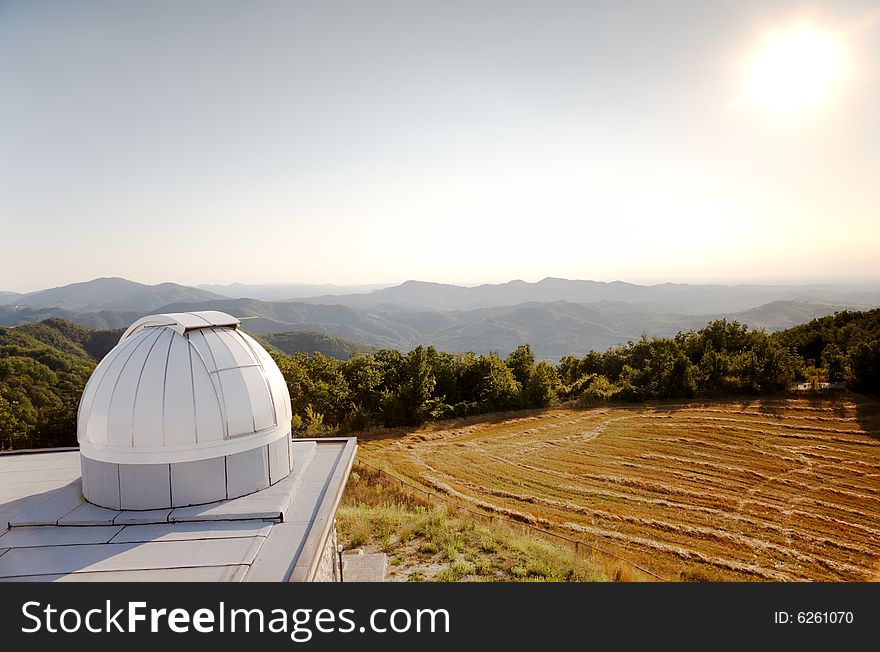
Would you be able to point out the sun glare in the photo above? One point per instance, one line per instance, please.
(796, 69)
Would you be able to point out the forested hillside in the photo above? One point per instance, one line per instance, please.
(315, 342)
(842, 347)
(44, 367)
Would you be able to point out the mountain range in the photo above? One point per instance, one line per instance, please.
(109, 294)
(556, 316)
(664, 297)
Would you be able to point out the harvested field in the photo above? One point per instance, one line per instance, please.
(773, 490)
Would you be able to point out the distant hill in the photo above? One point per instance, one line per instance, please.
(340, 321)
(779, 315)
(677, 298)
(564, 328)
(286, 291)
(553, 329)
(671, 298)
(315, 342)
(106, 319)
(112, 294)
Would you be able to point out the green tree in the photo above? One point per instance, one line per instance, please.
(670, 372)
(495, 386)
(317, 383)
(541, 388)
(363, 375)
(598, 389)
(521, 363)
(417, 386)
(12, 431)
(834, 362)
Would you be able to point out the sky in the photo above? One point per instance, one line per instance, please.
(449, 141)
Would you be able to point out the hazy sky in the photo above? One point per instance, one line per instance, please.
(373, 141)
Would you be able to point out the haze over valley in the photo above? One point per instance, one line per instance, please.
(556, 317)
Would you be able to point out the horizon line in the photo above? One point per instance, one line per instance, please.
(810, 282)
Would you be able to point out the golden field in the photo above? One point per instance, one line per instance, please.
(771, 489)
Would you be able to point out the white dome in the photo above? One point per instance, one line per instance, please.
(179, 388)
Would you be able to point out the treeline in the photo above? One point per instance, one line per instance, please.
(391, 389)
(44, 367)
(723, 358)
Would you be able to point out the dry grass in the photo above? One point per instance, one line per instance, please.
(427, 540)
(783, 489)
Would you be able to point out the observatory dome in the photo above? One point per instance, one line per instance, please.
(185, 409)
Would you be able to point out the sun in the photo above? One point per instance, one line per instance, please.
(796, 69)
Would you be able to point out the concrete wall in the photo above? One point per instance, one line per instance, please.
(328, 567)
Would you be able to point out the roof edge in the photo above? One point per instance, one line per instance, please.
(326, 516)
(38, 451)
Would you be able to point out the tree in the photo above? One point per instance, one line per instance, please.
(598, 389)
(834, 361)
(494, 384)
(417, 386)
(363, 375)
(671, 374)
(11, 429)
(446, 371)
(541, 387)
(316, 382)
(521, 363)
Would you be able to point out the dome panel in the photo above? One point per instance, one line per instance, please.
(209, 415)
(200, 344)
(100, 407)
(262, 408)
(179, 414)
(148, 402)
(240, 353)
(224, 358)
(84, 426)
(274, 379)
(239, 414)
(122, 401)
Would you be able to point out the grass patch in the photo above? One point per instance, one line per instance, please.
(428, 548)
(427, 541)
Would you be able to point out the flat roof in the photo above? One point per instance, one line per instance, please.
(48, 532)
